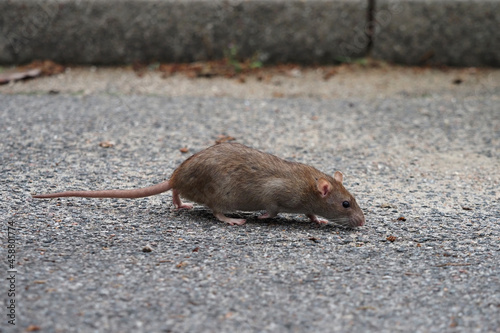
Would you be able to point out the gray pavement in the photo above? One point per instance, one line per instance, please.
(449, 32)
(424, 168)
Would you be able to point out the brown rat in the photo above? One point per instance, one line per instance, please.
(230, 176)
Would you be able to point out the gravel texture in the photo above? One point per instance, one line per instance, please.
(424, 169)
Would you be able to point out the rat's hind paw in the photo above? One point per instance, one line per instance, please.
(185, 206)
(229, 220)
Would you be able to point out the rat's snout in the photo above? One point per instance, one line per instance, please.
(358, 220)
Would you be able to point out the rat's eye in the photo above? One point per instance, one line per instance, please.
(346, 204)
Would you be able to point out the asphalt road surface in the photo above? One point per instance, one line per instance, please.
(424, 169)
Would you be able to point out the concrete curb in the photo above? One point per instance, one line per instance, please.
(450, 32)
(461, 33)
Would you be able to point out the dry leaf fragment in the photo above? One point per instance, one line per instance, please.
(32, 70)
(454, 322)
(329, 74)
(162, 261)
(47, 67)
(182, 264)
(106, 144)
(139, 68)
(224, 138)
(19, 75)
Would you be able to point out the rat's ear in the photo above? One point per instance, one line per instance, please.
(338, 176)
(324, 187)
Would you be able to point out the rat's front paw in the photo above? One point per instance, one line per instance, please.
(315, 219)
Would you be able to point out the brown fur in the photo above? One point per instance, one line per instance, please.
(229, 176)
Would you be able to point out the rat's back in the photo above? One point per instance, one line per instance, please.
(230, 176)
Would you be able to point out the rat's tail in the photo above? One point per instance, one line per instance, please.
(135, 193)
